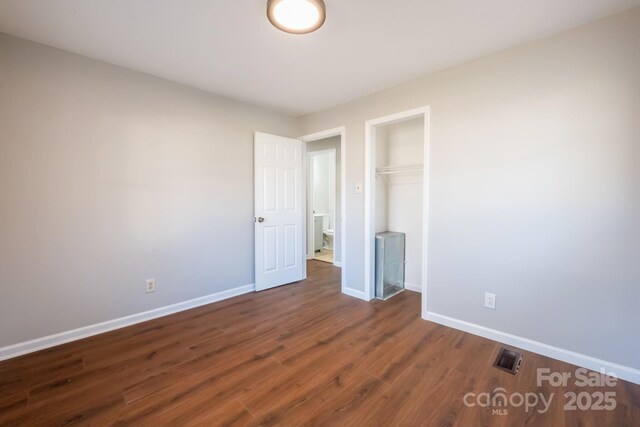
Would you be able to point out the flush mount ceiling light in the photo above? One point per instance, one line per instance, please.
(296, 16)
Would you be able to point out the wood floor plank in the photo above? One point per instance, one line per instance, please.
(22, 379)
(302, 354)
(11, 405)
(299, 383)
(113, 378)
(352, 405)
(231, 415)
(196, 396)
(235, 355)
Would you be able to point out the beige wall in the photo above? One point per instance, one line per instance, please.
(534, 187)
(109, 177)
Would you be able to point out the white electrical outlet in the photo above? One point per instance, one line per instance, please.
(150, 285)
(490, 300)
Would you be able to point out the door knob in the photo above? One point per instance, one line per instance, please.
(259, 219)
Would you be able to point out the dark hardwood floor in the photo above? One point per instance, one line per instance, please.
(302, 354)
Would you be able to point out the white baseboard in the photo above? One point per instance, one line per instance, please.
(354, 293)
(19, 349)
(623, 372)
(413, 287)
(337, 264)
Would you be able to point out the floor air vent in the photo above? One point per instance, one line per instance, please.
(508, 361)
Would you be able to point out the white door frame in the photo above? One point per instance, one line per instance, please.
(310, 218)
(342, 133)
(370, 197)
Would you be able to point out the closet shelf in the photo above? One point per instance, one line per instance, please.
(397, 170)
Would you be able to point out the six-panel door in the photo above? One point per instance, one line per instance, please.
(278, 211)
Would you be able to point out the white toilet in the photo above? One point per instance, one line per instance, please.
(323, 232)
(327, 239)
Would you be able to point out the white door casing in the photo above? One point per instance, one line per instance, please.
(279, 214)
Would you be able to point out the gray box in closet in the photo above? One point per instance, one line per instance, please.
(389, 264)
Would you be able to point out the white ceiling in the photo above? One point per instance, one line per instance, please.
(228, 47)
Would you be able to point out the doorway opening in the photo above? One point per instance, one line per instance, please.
(325, 198)
(396, 196)
(321, 199)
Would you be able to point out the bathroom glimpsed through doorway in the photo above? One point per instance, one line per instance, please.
(323, 160)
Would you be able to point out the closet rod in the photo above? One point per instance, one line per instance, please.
(393, 170)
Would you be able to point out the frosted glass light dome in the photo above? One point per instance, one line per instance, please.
(296, 16)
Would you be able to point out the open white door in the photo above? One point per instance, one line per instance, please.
(279, 211)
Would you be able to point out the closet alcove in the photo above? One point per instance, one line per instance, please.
(399, 189)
